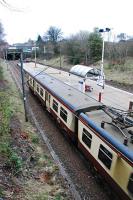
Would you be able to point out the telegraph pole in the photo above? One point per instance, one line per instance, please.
(35, 55)
(23, 88)
(60, 57)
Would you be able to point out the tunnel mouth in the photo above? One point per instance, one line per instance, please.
(13, 56)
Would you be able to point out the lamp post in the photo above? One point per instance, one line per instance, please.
(102, 67)
(34, 49)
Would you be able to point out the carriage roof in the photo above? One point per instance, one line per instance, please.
(74, 98)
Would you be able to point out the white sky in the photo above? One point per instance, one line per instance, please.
(69, 15)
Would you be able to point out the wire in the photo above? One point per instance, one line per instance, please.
(37, 74)
(10, 7)
(41, 72)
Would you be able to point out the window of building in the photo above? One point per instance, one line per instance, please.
(41, 92)
(37, 88)
(86, 137)
(105, 156)
(130, 184)
(63, 114)
(55, 105)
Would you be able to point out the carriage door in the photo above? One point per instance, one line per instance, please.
(47, 98)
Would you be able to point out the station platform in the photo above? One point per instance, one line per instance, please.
(110, 96)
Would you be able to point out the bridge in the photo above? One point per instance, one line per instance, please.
(13, 52)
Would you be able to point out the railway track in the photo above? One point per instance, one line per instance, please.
(83, 183)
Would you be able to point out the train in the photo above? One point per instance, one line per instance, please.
(102, 133)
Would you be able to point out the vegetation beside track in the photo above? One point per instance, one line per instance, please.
(27, 171)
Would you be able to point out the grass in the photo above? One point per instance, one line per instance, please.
(35, 139)
(5, 147)
(5, 117)
(1, 193)
(1, 73)
(58, 197)
(57, 62)
(15, 161)
(119, 76)
(6, 112)
(45, 196)
(120, 73)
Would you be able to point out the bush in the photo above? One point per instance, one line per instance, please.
(15, 162)
(35, 139)
(1, 73)
(5, 148)
(1, 192)
(58, 197)
(5, 114)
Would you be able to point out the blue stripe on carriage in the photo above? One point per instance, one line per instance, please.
(119, 146)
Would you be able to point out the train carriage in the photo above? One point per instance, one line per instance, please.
(102, 133)
(111, 158)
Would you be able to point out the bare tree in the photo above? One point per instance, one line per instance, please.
(122, 36)
(116, 53)
(3, 44)
(83, 37)
(1, 33)
(53, 34)
(52, 37)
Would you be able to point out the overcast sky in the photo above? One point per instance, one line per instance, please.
(71, 16)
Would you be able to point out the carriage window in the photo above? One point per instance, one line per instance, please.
(33, 83)
(130, 184)
(86, 137)
(37, 88)
(49, 99)
(41, 92)
(55, 105)
(105, 156)
(30, 80)
(63, 114)
(46, 96)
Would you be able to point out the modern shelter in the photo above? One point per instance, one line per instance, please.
(85, 71)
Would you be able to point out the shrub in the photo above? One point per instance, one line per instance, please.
(5, 114)
(1, 73)
(35, 139)
(5, 148)
(15, 162)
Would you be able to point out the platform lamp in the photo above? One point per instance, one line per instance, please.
(102, 69)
